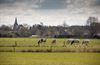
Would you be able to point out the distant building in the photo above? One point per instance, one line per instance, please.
(15, 27)
(34, 36)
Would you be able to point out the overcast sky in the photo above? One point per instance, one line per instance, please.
(50, 12)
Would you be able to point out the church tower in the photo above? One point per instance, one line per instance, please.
(15, 27)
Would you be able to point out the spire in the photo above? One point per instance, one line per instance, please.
(15, 25)
(16, 21)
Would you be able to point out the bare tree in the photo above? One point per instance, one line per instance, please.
(64, 24)
(94, 25)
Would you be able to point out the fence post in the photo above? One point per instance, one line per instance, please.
(15, 46)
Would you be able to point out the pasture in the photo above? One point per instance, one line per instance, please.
(31, 45)
(16, 58)
(23, 51)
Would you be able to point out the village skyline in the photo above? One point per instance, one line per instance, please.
(44, 23)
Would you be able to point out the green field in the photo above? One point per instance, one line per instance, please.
(25, 53)
(31, 45)
(11, 58)
(33, 41)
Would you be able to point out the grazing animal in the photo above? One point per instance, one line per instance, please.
(85, 42)
(72, 41)
(42, 40)
(75, 41)
(67, 41)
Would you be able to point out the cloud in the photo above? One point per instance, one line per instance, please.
(97, 3)
(53, 4)
(19, 4)
(34, 4)
(48, 4)
(49, 10)
(6, 1)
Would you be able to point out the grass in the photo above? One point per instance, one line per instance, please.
(30, 45)
(15, 58)
(33, 41)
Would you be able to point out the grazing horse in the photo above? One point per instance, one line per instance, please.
(75, 41)
(85, 42)
(42, 40)
(71, 41)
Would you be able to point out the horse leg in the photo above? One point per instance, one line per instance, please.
(64, 44)
(39, 43)
(86, 44)
(68, 42)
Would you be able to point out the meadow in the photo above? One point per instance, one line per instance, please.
(27, 52)
(17, 58)
(31, 45)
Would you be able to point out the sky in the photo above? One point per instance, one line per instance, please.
(50, 12)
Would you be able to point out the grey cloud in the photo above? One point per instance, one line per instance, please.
(6, 1)
(13, 1)
(22, 4)
(53, 4)
(42, 4)
(76, 6)
(49, 4)
(97, 2)
(65, 4)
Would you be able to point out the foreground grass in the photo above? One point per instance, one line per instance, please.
(11, 58)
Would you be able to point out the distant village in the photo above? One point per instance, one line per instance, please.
(90, 30)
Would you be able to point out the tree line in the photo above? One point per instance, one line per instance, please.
(90, 30)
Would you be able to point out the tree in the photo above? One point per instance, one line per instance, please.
(23, 31)
(91, 20)
(26, 26)
(94, 26)
(64, 24)
(5, 28)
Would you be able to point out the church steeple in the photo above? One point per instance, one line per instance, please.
(15, 28)
(16, 21)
